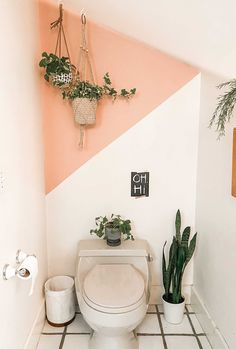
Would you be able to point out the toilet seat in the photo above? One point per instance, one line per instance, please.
(114, 288)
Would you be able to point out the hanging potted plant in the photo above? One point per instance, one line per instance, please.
(112, 228)
(85, 96)
(180, 253)
(58, 70)
(84, 92)
(78, 83)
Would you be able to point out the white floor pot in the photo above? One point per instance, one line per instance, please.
(173, 313)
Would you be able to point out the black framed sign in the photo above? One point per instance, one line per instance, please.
(139, 183)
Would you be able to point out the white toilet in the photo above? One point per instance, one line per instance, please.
(113, 287)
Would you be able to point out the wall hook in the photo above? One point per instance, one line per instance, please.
(83, 16)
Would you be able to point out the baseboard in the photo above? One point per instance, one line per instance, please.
(157, 293)
(214, 336)
(33, 338)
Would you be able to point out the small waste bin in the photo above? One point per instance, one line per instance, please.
(60, 300)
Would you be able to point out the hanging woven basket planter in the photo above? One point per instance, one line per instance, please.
(84, 110)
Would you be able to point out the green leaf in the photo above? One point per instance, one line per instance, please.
(43, 62)
(52, 55)
(107, 79)
(164, 270)
(172, 253)
(181, 256)
(178, 226)
(185, 237)
(225, 107)
(124, 92)
(46, 77)
(105, 220)
(191, 248)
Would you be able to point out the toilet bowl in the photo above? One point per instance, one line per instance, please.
(112, 287)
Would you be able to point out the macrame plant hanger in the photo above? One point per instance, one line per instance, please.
(61, 38)
(84, 108)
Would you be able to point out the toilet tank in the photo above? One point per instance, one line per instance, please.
(98, 247)
(94, 251)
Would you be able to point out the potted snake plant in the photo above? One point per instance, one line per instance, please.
(112, 228)
(180, 253)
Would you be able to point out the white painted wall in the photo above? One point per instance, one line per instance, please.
(198, 32)
(164, 143)
(22, 201)
(215, 277)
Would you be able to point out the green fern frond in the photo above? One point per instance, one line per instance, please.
(225, 107)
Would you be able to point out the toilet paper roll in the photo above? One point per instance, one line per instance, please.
(28, 269)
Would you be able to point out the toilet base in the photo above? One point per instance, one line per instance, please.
(126, 341)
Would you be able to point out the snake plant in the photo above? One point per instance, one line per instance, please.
(180, 253)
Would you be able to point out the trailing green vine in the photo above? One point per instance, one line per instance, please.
(59, 72)
(86, 89)
(225, 107)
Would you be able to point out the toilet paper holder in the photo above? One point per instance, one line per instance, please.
(26, 268)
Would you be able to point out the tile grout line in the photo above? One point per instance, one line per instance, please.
(162, 334)
(193, 329)
(140, 334)
(52, 333)
(63, 338)
(79, 333)
(161, 328)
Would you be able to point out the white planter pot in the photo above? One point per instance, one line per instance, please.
(173, 313)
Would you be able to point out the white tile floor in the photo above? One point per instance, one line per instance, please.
(153, 333)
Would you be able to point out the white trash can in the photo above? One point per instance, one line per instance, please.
(60, 300)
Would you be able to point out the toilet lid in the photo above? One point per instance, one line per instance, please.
(114, 285)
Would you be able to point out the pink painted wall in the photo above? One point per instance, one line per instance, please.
(130, 64)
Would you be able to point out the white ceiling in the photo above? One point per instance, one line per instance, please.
(199, 32)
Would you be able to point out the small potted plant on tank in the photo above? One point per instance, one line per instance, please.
(180, 253)
(112, 228)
